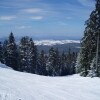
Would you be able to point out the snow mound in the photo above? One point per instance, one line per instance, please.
(3, 65)
(54, 42)
(23, 86)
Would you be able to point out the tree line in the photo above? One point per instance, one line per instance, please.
(25, 57)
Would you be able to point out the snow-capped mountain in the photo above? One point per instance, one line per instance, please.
(23, 86)
(54, 42)
(62, 45)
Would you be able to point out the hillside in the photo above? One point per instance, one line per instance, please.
(23, 86)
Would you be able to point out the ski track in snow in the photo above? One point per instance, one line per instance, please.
(23, 86)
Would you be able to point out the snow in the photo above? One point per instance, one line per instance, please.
(3, 66)
(23, 86)
(54, 42)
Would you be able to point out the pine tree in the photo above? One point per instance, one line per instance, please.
(24, 54)
(58, 63)
(53, 67)
(42, 64)
(74, 57)
(69, 62)
(1, 52)
(78, 63)
(33, 57)
(63, 60)
(97, 38)
(89, 43)
(12, 54)
(5, 55)
(50, 62)
(28, 55)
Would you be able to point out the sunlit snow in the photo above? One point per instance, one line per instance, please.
(23, 86)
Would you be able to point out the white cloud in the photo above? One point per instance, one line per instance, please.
(37, 17)
(7, 17)
(63, 23)
(32, 10)
(89, 3)
(69, 18)
(23, 27)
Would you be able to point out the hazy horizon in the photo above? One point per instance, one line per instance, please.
(42, 38)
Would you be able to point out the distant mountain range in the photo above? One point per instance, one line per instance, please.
(62, 45)
(54, 42)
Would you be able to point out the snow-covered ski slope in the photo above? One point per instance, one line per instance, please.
(23, 86)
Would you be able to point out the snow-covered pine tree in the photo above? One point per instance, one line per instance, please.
(28, 55)
(24, 54)
(5, 55)
(73, 58)
(63, 68)
(98, 38)
(57, 63)
(53, 66)
(33, 57)
(50, 62)
(42, 63)
(89, 43)
(1, 52)
(78, 63)
(12, 53)
(69, 62)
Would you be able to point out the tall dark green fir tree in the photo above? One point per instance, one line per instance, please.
(89, 57)
(12, 53)
(33, 57)
(42, 63)
(4, 52)
(24, 54)
(53, 63)
(1, 52)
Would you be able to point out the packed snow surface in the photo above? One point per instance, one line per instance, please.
(23, 86)
(54, 42)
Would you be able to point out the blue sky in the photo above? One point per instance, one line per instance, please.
(45, 19)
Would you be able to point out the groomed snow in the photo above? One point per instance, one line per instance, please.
(23, 86)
